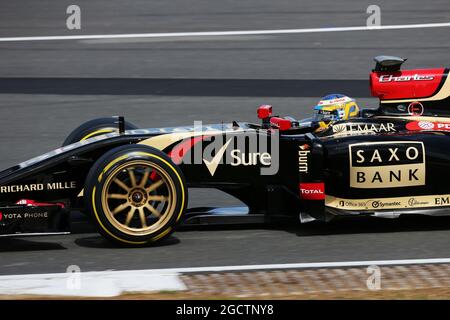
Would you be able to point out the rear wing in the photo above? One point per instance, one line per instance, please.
(388, 63)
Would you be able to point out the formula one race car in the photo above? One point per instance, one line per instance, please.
(133, 183)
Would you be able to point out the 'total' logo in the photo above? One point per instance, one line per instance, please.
(312, 191)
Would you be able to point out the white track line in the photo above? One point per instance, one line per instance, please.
(304, 265)
(113, 283)
(225, 33)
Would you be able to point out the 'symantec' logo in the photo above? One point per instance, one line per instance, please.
(387, 164)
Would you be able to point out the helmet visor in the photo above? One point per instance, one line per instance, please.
(325, 115)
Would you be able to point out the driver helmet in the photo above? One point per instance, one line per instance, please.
(334, 107)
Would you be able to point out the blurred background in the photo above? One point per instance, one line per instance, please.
(47, 88)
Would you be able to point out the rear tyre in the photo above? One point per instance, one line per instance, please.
(94, 128)
(136, 195)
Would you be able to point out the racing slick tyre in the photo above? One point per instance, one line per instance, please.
(136, 195)
(94, 128)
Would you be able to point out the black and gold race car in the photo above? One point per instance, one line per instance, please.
(133, 183)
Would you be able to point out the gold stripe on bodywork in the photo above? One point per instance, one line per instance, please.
(162, 141)
(411, 202)
(415, 118)
(98, 132)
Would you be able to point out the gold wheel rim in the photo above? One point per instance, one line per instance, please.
(139, 198)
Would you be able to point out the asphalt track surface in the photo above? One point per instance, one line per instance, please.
(47, 88)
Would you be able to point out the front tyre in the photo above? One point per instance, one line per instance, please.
(136, 195)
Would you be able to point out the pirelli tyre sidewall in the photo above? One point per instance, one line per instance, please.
(95, 127)
(128, 208)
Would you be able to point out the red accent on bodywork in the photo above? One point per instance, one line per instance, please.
(34, 203)
(282, 124)
(406, 84)
(305, 146)
(312, 190)
(1, 216)
(180, 150)
(264, 111)
(427, 126)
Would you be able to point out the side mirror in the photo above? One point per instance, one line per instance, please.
(269, 121)
(264, 111)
